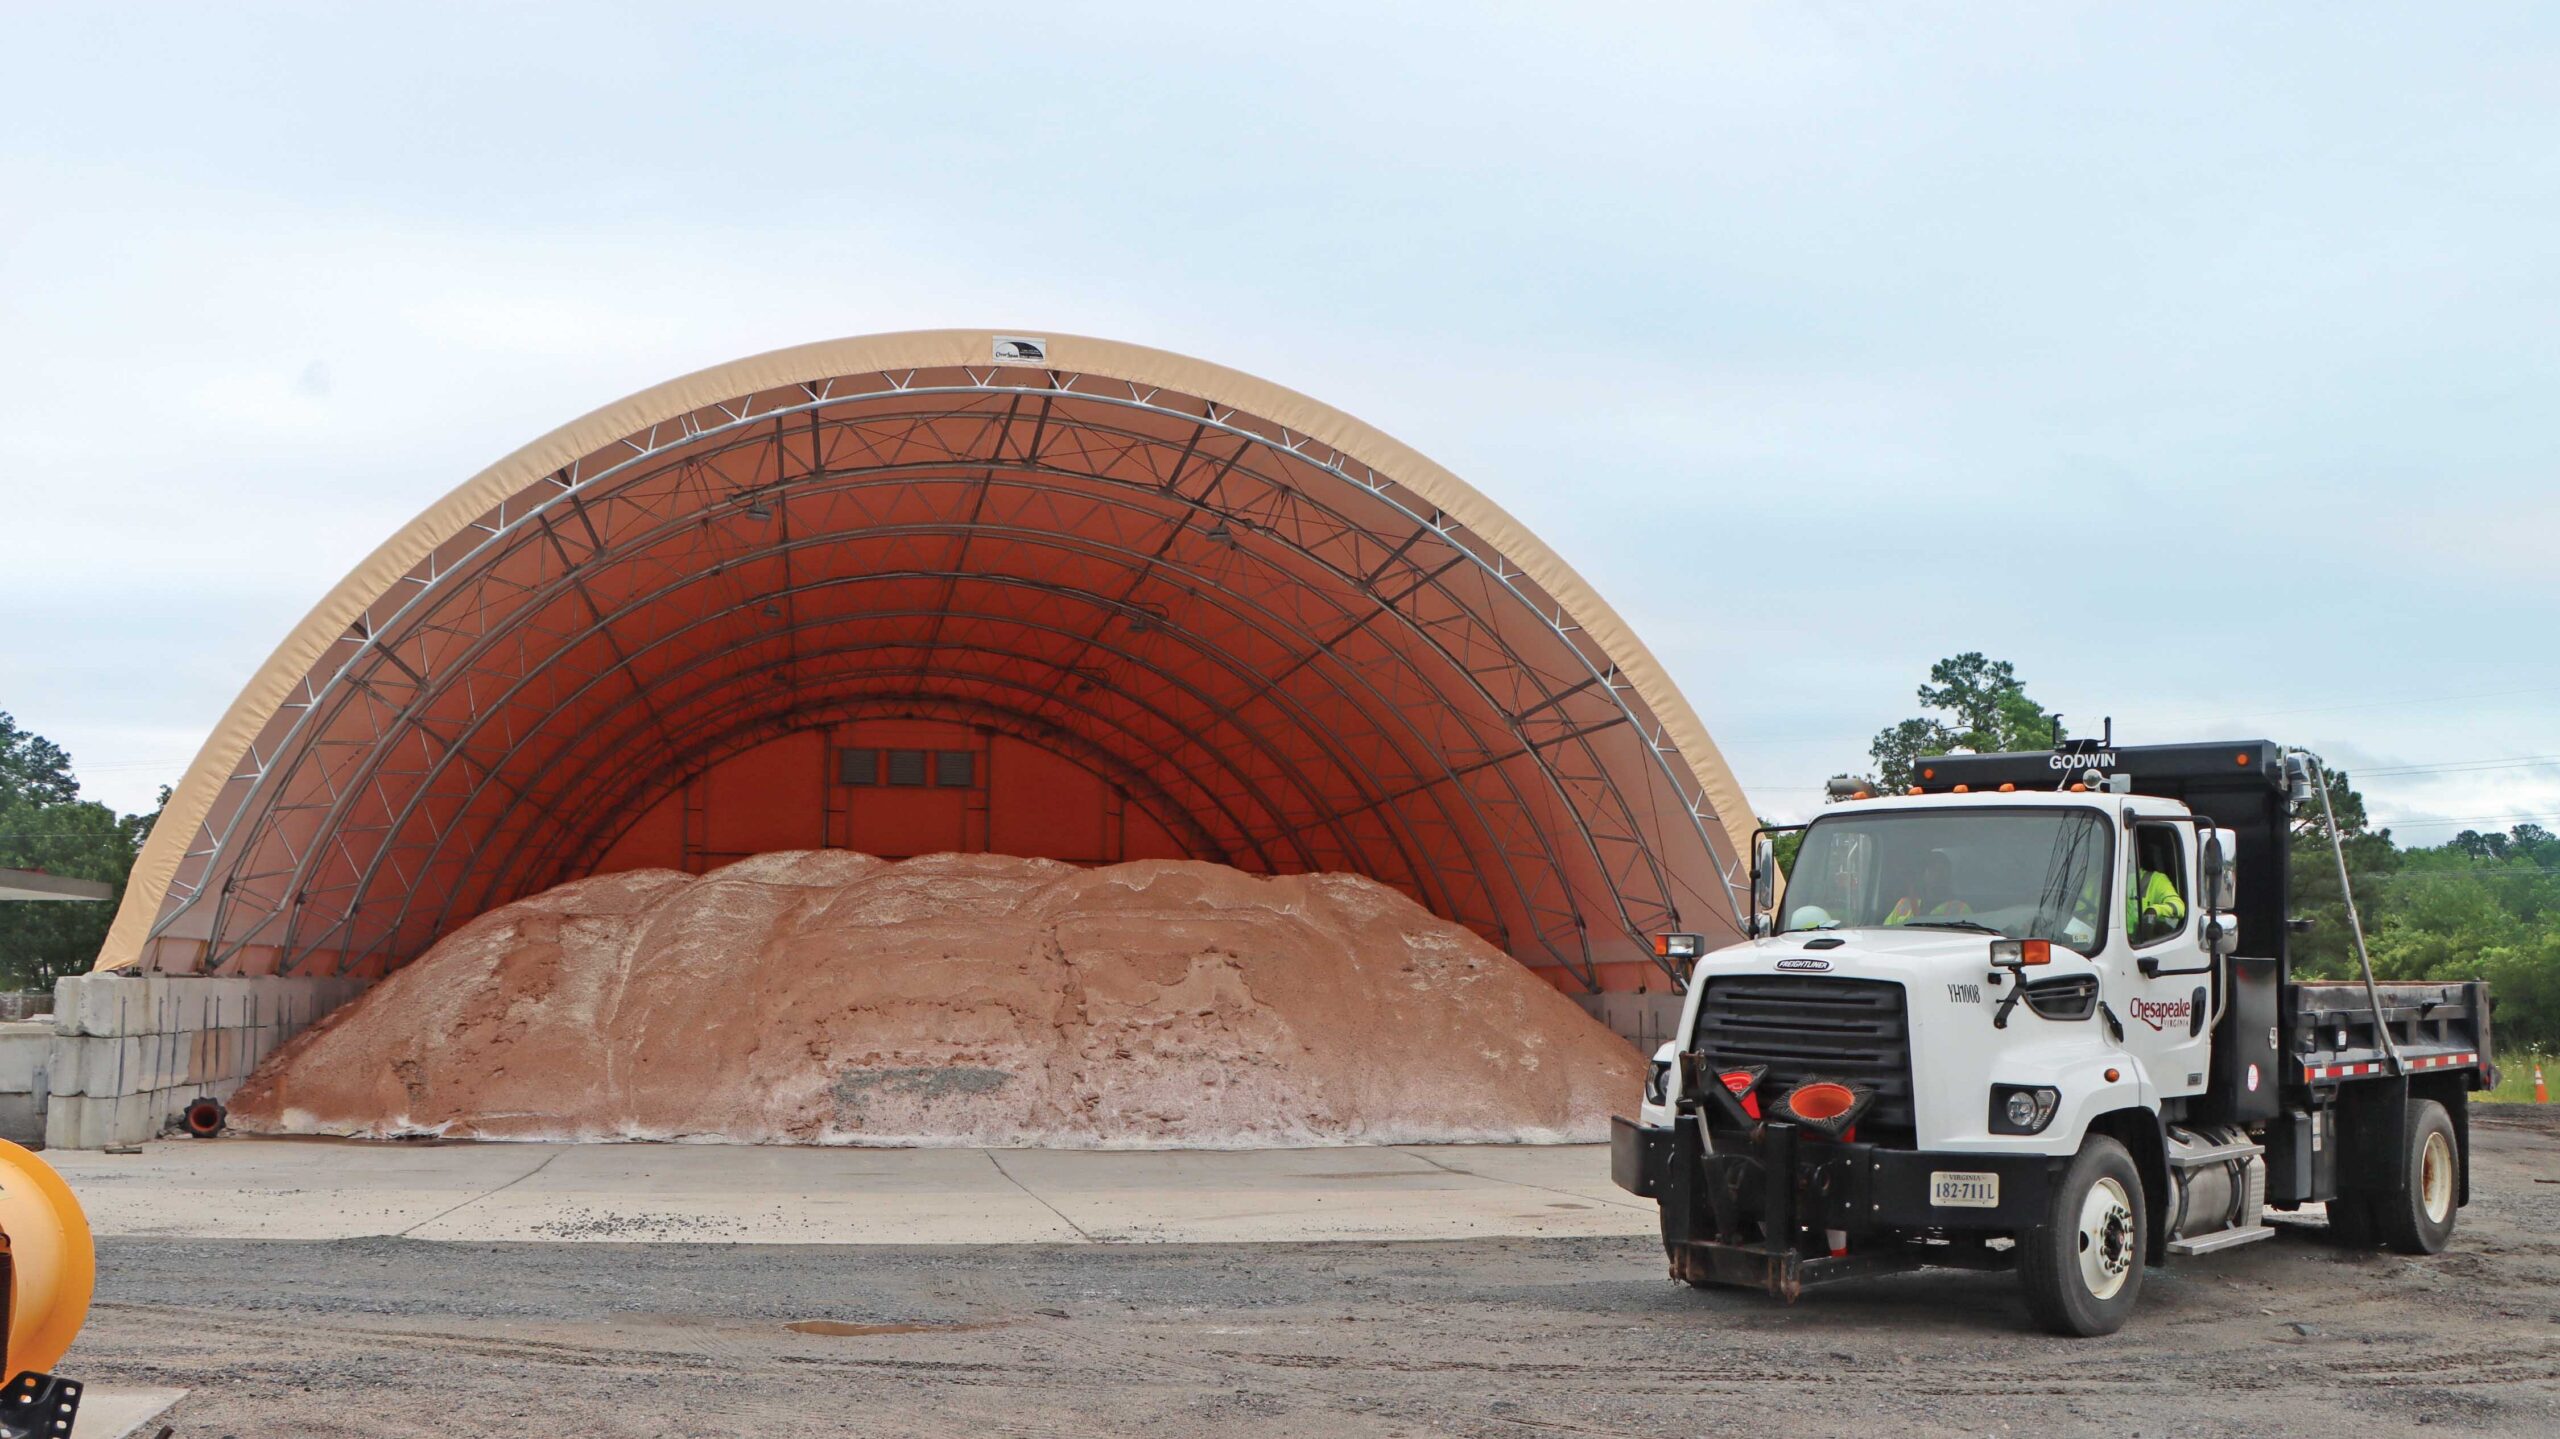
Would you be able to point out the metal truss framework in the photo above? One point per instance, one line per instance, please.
(1276, 651)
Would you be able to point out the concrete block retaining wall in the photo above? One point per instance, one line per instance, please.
(127, 1054)
(26, 1004)
(26, 1052)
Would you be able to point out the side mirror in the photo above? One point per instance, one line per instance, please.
(2218, 889)
(2219, 935)
(1764, 884)
(2221, 886)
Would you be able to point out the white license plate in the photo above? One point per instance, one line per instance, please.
(1952, 1190)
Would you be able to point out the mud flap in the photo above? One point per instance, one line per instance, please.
(2373, 1137)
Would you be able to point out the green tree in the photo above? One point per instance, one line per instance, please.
(1982, 708)
(2530, 842)
(2478, 907)
(45, 825)
(2327, 949)
(34, 767)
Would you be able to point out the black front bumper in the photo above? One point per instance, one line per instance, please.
(1639, 1156)
(1766, 1208)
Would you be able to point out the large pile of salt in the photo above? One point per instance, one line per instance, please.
(825, 997)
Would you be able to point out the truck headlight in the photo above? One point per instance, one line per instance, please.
(1657, 1083)
(2023, 1108)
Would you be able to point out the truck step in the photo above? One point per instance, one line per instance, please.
(2221, 1239)
(2218, 1154)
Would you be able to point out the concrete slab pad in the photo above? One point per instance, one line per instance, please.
(683, 1193)
(285, 1189)
(107, 1412)
(1574, 1169)
(710, 1194)
(1276, 1196)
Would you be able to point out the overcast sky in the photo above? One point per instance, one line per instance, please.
(2202, 361)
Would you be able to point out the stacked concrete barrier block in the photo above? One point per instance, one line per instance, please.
(26, 1054)
(128, 1054)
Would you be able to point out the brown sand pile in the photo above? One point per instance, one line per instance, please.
(825, 997)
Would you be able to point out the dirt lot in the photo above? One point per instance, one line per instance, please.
(1520, 1337)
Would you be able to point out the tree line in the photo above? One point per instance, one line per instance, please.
(45, 825)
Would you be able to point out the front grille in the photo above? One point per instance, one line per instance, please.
(1811, 1028)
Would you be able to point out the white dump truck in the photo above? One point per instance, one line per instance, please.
(2037, 1014)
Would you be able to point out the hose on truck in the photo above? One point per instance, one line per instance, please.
(2355, 924)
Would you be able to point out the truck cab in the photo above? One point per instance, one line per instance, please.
(2036, 1014)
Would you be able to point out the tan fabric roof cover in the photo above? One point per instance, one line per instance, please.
(936, 512)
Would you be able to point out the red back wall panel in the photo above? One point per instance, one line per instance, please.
(1044, 804)
(771, 797)
(656, 841)
(789, 793)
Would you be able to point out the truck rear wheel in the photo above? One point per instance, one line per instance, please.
(2081, 1268)
(2419, 1219)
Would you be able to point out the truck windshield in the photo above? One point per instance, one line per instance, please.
(2022, 873)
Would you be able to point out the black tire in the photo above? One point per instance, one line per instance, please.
(2419, 1218)
(2066, 1294)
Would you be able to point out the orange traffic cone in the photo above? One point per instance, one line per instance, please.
(2540, 1094)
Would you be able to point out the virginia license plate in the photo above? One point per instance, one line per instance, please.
(1954, 1190)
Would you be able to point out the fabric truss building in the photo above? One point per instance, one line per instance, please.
(1042, 595)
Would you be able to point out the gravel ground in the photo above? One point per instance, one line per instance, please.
(1519, 1337)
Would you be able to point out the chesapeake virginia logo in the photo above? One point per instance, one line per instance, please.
(2161, 1016)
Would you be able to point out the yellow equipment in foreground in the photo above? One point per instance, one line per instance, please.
(48, 1264)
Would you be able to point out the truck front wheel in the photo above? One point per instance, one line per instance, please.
(2419, 1219)
(2082, 1267)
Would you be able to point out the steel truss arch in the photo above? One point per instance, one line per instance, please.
(1527, 751)
(1492, 651)
(1559, 947)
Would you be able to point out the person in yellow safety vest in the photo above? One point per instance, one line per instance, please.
(1925, 901)
(2154, 900)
